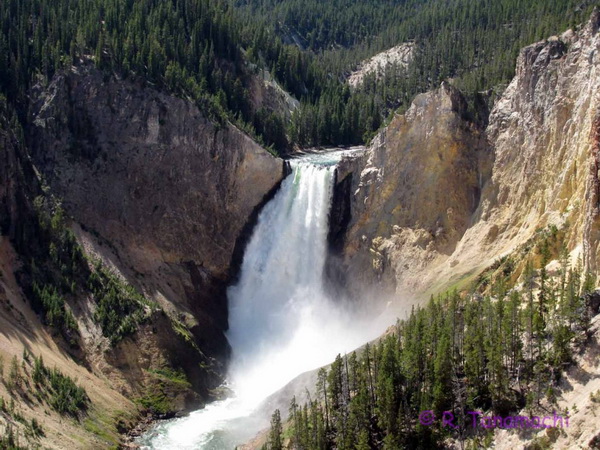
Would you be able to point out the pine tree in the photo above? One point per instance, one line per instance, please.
(276, 433)
(322, 393)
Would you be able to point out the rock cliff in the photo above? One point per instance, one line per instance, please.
(146, 172)
(165, 199)
(446, 199)
(398, 57)
(413, 192)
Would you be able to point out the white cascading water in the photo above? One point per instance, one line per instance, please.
(281, 322)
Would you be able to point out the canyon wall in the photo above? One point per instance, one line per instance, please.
(412, 194)
(167, 188)
(162, 197)
(169, 192)
(436, 199)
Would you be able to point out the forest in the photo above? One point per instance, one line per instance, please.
(475, 43)
(207, 50)
(498, 347)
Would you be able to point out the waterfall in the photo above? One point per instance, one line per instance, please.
(281, 285)
(281, 321)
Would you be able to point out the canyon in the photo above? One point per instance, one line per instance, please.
(161, 196)
(167, 200)
(437, 198)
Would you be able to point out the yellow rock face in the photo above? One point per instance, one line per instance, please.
(448, 199)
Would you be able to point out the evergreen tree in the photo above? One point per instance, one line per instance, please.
(276, 433)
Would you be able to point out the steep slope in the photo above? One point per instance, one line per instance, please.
(21, 331)
(580, 396)
(143, 170)
(169, 191)
(162, 202)
(541, 146)
(413, 191)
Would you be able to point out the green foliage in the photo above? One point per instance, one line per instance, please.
(156, 401)
(182, 330)
(165, 385)
(193, 48)
(206, 50)
(101, 429)
(120, 306)
(53, 262)
(498, 350)
(176, 376)
(59, 390)
(58, 270)
(54, 309)
(9, 440)
(276, 433)
(474, 42)
(14, 375)
(36, 428)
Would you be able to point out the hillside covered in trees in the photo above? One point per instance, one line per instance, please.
(500, 346)
(494, 349)
(474, 42)
(194, 48)
(207, 49)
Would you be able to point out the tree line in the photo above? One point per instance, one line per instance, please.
(194, 48)
(471, 41)
(207, 50)
(500, 348)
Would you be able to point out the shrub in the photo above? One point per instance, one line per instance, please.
(36, 428)
(55, 313)
(53, 261)
(14, 375)
(61, 391)
(10, 439)
(58, 268)
(120, 306)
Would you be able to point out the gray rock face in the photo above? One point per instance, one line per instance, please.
(171, 193)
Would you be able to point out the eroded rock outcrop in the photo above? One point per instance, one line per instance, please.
(542, 134)
(537, 164)
(414, 190)
(398, 57)
(267, 93)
